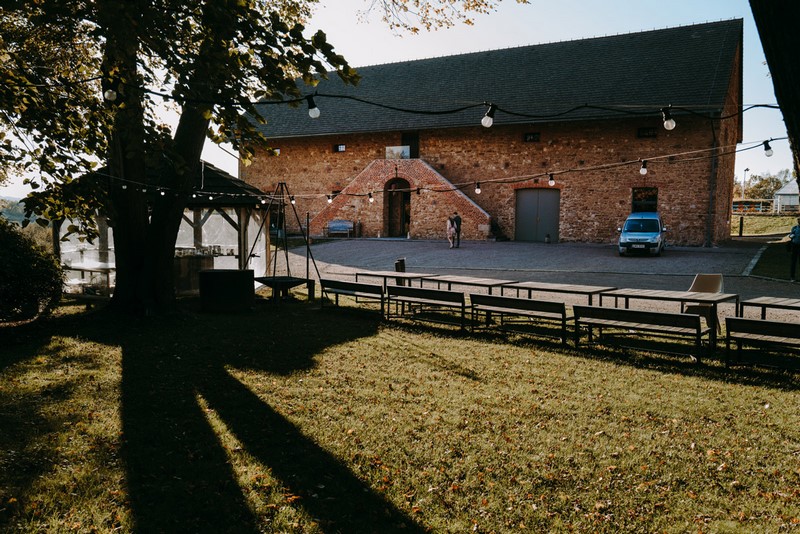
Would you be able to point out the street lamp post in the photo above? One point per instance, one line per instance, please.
(744, 180)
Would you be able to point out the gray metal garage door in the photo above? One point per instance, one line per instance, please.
(537, 214)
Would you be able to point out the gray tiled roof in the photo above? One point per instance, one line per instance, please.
(687, 67)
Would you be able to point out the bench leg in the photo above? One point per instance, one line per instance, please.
(698, 343)
(727, 352)
(311, 289)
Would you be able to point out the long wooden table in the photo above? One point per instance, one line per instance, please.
(778, 303)
(385, 275)
(102, 268)
(547, 287)
(693, 297)
(451, 280)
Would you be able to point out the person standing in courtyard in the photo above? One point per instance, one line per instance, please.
(457, 222)
(451, 230)
(794, 238)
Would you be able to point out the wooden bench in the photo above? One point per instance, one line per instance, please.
(340, 227)
(679, 325)
(352, 289)
(420, 300)
(518, 307)
(759, 332)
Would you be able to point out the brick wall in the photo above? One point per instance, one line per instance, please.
(595, 165)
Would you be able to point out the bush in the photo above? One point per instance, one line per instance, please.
(30, 278)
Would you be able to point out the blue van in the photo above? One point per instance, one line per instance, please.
(643, 232)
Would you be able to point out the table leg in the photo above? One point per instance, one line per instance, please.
(713, 334)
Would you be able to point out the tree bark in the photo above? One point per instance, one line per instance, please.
(128, 204)
(145, 233)
(776, 21)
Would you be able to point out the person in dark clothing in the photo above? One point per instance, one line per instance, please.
(794, 238)
(457, 222)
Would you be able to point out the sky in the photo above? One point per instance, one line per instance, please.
(368, 41)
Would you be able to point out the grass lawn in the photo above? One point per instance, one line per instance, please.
(762, 224)
(296, 419)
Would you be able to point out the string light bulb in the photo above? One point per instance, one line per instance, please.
(263, 201)
(643, 170)
(291, 200)
(669, 122)
(768, 149)
(110, 95)
(477, 188)
(330, 199)
(371, 200)
(313, 110)
(552, 181)
(488, 119)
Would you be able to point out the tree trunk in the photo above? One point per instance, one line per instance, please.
(167, 214)
(777, 28)
(128, 203)
(145, 233)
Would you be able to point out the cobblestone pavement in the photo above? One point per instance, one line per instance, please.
(580, 263)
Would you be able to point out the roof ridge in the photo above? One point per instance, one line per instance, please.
(545, 43)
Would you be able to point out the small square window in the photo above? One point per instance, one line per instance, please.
(339, 148)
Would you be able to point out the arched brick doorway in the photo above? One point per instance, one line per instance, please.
(397, 208)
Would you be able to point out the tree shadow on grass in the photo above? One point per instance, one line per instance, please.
(775, 370)
(178, 472)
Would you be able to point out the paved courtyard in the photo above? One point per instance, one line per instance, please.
(579, 263)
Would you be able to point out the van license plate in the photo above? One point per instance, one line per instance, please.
(637, 246)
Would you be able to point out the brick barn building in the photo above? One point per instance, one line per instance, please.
(573, 123)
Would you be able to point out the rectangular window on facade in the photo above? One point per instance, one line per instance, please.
(398, 152)
(339, 148)
(647, 133)
(644, 199)
(531, 137)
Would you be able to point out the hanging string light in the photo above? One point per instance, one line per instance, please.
(371, 200)
(552, 181)
(313, 110)
(687, 156)
(488, 119)
(291, 200)
(669, 122)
